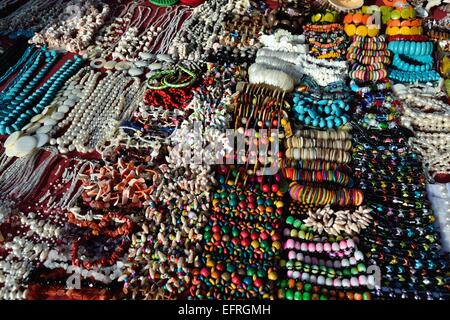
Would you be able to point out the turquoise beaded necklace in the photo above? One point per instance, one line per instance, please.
(25, 106)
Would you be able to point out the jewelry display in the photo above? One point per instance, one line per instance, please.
(224, 150)
(61, 35)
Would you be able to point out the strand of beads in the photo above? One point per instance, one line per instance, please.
(26, 108)
(97, 113)
(326, 37)
(401, 259)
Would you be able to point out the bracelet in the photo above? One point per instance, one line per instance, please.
(393, 31)
(368, 76)
(416, 38)
(400, 64)
(371, 67)
(384, 85)
(323, 196)
(336, 177)
(324, 27)
(411, 48)
(411, 77)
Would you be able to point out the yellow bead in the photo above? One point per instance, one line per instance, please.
(272, 276)
(276, 245)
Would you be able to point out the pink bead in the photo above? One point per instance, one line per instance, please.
(289, 273)
(297, 245)
(337, 282)
(340, 254)
(362, 280)
(327, 247)
(291, 255)
(304, 246)
(319, 247)
(311, 247)
(289, 244)
(343, 244)
(354, 282)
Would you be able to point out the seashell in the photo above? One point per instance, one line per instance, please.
(134, 72)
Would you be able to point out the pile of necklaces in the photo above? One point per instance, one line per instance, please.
(224, 149)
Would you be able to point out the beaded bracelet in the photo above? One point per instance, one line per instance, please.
(300, 142)
(317, 176)
(349, 261)
(375, 43)
(324, 196)
(316, 165)
(415, 38)
(323, 27)
(294, 267)
(335, 155)
(291, 289)
(384, 85)
(354, 52)
(419, 66)
(411, 48)
(368, 76)
(412, 77)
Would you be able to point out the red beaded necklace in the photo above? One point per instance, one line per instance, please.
(97, 230)
(172, 98)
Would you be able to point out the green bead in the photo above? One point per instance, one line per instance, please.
(297, 295)
(366, 296)
(250, 272)
(297, 223)
(289, 294)
(323, 297)
(231, 267)
(290, 220)
(264, 244)
(307, 287)
(306, 296)
(361, 267)
(225, 229)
